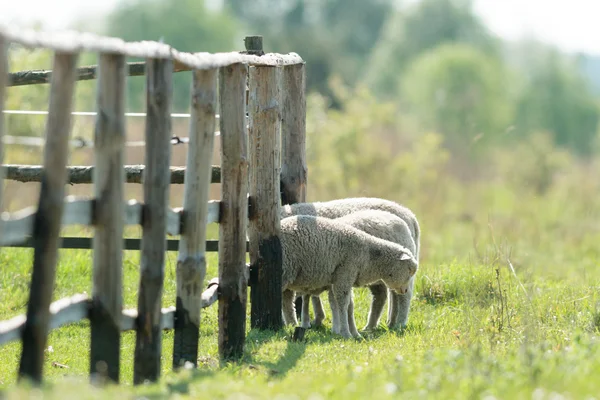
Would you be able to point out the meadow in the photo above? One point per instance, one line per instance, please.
(506, 306)
(507, 301)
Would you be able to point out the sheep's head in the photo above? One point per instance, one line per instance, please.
(399, 276)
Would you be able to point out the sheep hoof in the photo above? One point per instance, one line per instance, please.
(298, 335)
(369, 328)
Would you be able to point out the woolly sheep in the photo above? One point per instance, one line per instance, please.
(320, 253)
(382, 225)
(342, 207)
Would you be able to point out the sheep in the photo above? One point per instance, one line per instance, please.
(320, 253)
(383, 225)
(342, 207)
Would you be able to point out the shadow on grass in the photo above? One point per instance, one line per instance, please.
(293, 352)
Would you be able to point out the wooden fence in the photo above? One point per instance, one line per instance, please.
(263, 94)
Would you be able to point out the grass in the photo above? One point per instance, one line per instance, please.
(476, 329)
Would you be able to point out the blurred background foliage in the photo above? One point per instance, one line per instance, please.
(419, 103)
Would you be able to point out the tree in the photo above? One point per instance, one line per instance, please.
(558, 99)
(419, 28)
(187, 25)
(460, 92)
(334, 37)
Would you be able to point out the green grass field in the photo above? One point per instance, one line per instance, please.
(506, 305)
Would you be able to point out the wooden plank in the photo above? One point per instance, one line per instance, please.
(293, 141)
(234, 212)
(62, 312)
(47, 222)
(211, 294)
(129, 319)
(191, 262)
(109, 192)
(84, 174)
(264, 228)
(3, 81)
(128, 244)
(293, 135)
(18, 226)
(36, 77)
(159, 88)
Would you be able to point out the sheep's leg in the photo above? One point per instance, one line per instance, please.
(401, 303)
(305, 316)
(318, 310)
(379, 292)
(342, 298)
(335, 315)
(351, 321)
(288, 308)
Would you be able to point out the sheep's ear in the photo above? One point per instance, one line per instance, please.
(405, 256)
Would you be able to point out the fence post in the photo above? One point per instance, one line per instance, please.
(233, 274)
(159, 74)
(293, 139)
(264, 227)
(46, 230)
(3, 82)
(293, 135)
(191, 263)
(109, 178)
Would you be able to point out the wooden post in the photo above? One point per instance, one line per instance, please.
(191, 263)
(264, 228)
(3, 81)
(154, 223)
(293, 135)
(109, 178)
(47, 222)
(293, 139)
(233, 276)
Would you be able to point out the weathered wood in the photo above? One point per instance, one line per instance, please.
(64, 311)
(3, 74)
(109, 191)
(264, 228)
(191, 263)
(36, 77)
(293, 135)
(18, 227)
(129, 319)
(47, 222)
(72, 41)
(156, 200)
(77, 308)
(293, 140)
(128, 244)
(84, 174)
(211, 294)
(234, 213)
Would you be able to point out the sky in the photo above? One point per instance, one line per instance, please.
(571, 25)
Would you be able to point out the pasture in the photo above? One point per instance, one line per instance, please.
(476, 328)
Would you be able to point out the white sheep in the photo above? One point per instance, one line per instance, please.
(342, 207)
(320, 253)
(383, 225)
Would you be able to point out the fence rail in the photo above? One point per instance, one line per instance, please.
(277, 112)
(76, 42)
(77, 175)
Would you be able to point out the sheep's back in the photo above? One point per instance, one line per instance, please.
(383, 225)
(342, 207)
